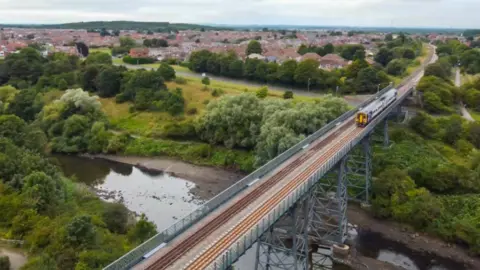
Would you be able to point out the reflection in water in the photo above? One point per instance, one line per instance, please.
(163, 198)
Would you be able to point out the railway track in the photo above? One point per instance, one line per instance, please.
(184, 246)
(252, 219)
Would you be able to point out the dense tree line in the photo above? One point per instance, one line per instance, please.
(460, 54)
(395, 55)
(322, 51)
(359, 77)
(155, 43)
(268, 126)
(63, 224)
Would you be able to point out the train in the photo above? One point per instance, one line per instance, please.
(368, 113)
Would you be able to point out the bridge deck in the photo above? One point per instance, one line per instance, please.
(315, 151)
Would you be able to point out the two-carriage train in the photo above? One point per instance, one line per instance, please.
(368, 113)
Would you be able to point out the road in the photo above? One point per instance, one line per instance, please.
(352, 100)
(458, 83)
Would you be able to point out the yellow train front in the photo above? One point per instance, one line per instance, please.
(368, 113)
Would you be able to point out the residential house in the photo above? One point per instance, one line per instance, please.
(310, 55)
(139, 52)
(332, 61)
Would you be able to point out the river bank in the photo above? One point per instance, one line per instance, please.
(211, 181)
(415, 241)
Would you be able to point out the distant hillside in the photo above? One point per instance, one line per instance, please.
(117, 25)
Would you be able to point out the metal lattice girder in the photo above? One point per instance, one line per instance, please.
(359, 172)
(285, 244)
(328, 205)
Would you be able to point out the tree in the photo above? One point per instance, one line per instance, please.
(396, 67)
(389, 194)
(286, 72)
(99, 58)
(127, 42)
(424, 125)
(261, 72)
(384, 56)
(143, 230)
(4, 263)
(389, 37)
(167, 72)
(288, 95)
(42, 189)
(306, 71)
(115, 216)
(108, 82)
(81, 231)
(433, 103)
(453, 129)
(232, 120)
(206, 81)
(198, 60)
(409, 54)
(254, 47)
(12, 127)
(251, 68)
(436, 69)
(472, 99)
(352, 70)
(329, 48)
(235, 69)
(26, 104)
(89, 78)
(370, 80)
(349, 52)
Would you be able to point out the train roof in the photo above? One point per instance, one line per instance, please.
(377, 101)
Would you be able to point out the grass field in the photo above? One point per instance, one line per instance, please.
(103, 50)
(151, 124)
(474, 114)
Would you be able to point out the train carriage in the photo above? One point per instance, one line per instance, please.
(368, 113)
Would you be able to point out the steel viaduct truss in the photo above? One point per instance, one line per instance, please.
(319, 218)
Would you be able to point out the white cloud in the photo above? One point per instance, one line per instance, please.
(415, 13)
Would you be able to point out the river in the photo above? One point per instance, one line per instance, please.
(164, 199)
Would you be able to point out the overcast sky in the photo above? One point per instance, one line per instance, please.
(397, 13)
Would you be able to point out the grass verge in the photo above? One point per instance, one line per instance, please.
(193, 152)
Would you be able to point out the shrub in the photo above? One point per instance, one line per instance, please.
(192, 111)
(4, 263)
(180, 80)
(184, 130)
(288, 95)
(262, 92)
(206, 81)
(217, 92)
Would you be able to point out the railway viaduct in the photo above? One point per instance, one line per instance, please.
(292, 204)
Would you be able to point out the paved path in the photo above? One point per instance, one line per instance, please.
(458, 83)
